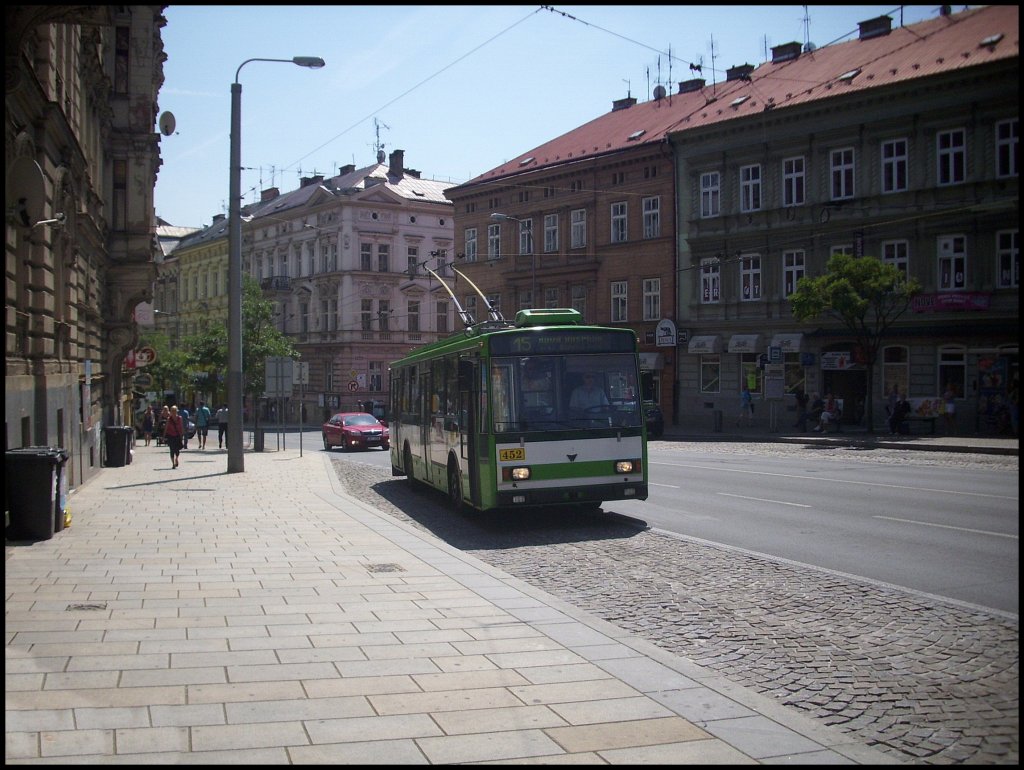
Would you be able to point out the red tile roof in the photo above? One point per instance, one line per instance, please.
(940, 45)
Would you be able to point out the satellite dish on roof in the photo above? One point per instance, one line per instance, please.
(659, 92)
(25, 193)
(167, 124)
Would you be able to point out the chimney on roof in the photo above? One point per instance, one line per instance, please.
(945, 10)
(348, 168)
(687, 86)
(785, 52)
(740, 72)
(881, 25)
(396, 163)
(269, 194)
(308, 180)
(623, 104)
(218, 218)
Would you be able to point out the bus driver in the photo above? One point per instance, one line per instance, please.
(587, 395)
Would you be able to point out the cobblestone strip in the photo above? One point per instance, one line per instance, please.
(923, 680)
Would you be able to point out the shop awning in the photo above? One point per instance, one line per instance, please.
(652, 361)
(707, 343)
(744, 343)
(790, 343)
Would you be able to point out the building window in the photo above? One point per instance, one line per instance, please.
(376, 369)
(952, 261)
(794, 373)
(710, 280)
(652, 299)
(122, 48)
(550, 232)
(366, 256)
(841, 248)
(652, 217)
(120, 190)
(366, 314)
(578, 299)
(442, 317)
(469, 305)
(493, 241)
(413, 315)
(412, 260)
(897, 254)
(894, 165)
(710, 374)
(895, 370)
(383, 258)
(1006, 148)
(384, 314)
(952, 370)
(793, 181)
(619, 231)
(471, 244)
(951, 150)
(328, 315)
(1008, 257)
(841, 163)
(578, 228)
(619, 301)
(793, 267)
(710, 194)
(525, 299)
(526, 236)
(750, 277)
(750, 188)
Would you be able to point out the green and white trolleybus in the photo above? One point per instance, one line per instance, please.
(544, 411)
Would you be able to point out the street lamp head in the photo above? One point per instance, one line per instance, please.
(503, 217)
(313, 62)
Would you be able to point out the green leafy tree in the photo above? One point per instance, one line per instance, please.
(866, 296)
(170, 370)
(208, 350)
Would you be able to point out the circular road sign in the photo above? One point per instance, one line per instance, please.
(145, 356)
(353, 386)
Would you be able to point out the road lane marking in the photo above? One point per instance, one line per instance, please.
(947, 526)
(670, 486)
(833, 481)
(764, 500)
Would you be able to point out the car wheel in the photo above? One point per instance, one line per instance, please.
(327, 446)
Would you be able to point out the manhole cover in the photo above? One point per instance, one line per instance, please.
(385, 568)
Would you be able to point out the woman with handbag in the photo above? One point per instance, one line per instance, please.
(174, 434)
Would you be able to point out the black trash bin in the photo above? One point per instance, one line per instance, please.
(36, 488)
(118, 438)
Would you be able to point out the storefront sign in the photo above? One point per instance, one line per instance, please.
(837, 360)
(665, 333)
(959, 300)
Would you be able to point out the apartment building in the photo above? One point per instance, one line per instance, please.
(345, 261)
(900, 144)
(81, 153)
(585, 221)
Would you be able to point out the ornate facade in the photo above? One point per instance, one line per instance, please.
(82, 155)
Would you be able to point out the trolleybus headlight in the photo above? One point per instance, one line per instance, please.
(515, 474)
(627, 466)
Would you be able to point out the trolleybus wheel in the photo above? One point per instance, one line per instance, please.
(454, 488)
(407, 462)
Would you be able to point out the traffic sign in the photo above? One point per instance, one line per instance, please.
(145, 356)
(300, 372)
(353, 386)
(143, 380)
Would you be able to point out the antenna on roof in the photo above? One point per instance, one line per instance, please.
(808, 45)
(379, 145)
(628, 94)
(714, 78)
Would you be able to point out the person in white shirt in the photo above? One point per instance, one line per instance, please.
(587, 395)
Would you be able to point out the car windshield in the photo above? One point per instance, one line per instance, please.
(360, 419)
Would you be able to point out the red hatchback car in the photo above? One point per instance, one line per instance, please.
(355, 430)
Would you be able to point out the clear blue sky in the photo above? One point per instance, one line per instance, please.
(459, 89)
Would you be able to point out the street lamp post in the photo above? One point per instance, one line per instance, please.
(236, 464)
(533, 251)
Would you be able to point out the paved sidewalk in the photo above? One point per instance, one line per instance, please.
(196, 616)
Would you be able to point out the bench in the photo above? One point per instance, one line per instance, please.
(923, 411)
(915, 419)
(837, 423)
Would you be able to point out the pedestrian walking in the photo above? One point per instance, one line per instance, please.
(148, 423)
(949, 408)
(746, 406)
(185, 418)
(801, 409)
(174, 432)
(203, 418)
(222, 426)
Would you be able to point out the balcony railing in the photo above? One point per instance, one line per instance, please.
(276, 283)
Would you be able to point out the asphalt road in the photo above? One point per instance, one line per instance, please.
(923, 678)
